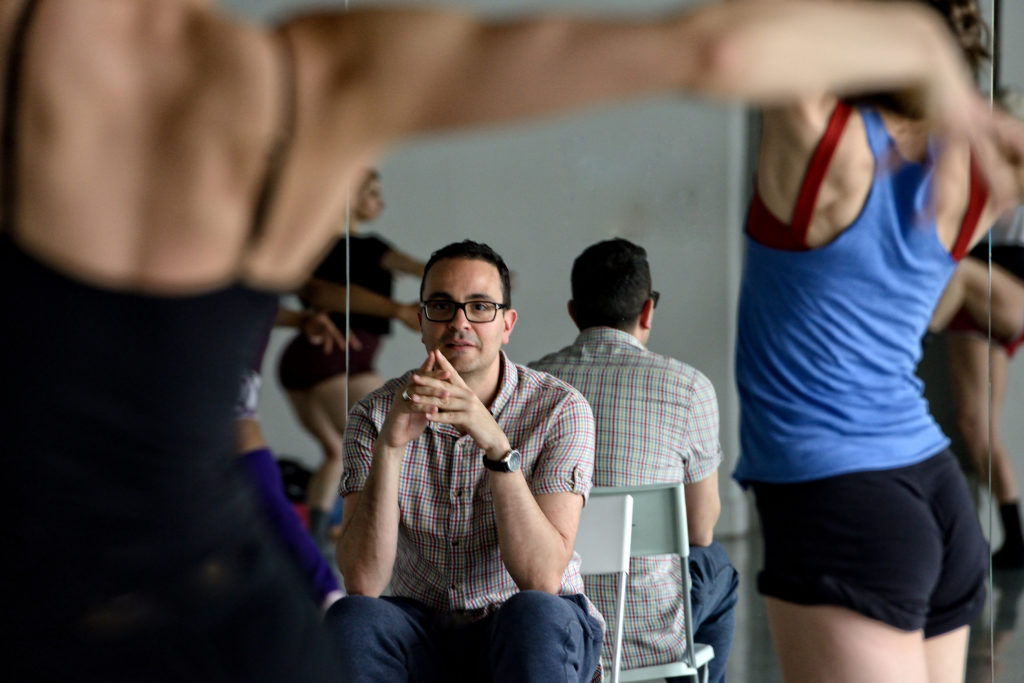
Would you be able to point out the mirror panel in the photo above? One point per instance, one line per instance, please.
(670, 174)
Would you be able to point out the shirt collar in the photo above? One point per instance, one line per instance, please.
(509, 382)
(595, 335)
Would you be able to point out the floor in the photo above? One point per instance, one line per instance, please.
(753, 661)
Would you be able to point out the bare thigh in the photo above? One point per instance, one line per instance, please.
(980, 377)
(828, 644)
(361, 385)
(1007, 304)
(946, 656)
(996, 297)
(322, 410)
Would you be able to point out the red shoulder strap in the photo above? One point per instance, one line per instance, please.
(979, 196)
(816, 171)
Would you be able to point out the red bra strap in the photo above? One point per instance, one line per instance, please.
(805, 203)
(979, 196)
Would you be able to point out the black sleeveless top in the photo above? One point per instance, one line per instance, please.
(116, 430)
(363, 257)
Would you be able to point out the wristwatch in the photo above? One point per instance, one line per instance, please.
(512, 461)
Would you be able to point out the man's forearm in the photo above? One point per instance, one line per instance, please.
(534, 551)
(369, 535)
(703, 507)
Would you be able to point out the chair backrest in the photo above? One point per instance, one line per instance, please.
(603, 542)
(659, 528)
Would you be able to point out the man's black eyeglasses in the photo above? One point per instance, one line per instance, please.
(655, 295)
(444, 310)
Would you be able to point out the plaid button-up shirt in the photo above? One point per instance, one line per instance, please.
(657, 422)
(448, 556)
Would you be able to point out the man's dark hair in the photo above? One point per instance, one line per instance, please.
(468, 249)
(611, 280)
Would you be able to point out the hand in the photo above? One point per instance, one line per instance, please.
(408, 416)
(408, 315)
(443, 396)
(320, 330)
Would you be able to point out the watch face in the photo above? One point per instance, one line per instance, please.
(510, 463)
(514, 460)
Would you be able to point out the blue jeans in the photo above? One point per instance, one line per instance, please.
(534, 636)
(713, 598)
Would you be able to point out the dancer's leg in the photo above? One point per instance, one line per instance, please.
(970, 357)
(826, 643)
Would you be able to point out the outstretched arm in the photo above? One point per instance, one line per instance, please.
(332, 297)
(368, 78)
(400, 262)
(389, 73)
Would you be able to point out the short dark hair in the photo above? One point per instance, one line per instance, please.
(611, 281)
(468, 249)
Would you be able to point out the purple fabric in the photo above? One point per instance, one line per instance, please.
(263, 469)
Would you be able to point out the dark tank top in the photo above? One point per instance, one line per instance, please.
(117, 427)
(358, 260)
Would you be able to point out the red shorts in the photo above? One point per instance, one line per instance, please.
(304, 365)
(963, 322)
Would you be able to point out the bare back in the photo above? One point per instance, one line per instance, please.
(790, 136)
(142, 156)
(145, 126)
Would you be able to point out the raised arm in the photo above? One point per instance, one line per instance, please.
(330, 296)
(414, 70)
(367, 78)
(400, 262)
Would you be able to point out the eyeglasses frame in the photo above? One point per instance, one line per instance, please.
(461, 305)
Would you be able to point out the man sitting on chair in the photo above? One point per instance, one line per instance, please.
(657, 422)
(464, 482)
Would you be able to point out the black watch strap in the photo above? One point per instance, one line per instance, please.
(510, 463)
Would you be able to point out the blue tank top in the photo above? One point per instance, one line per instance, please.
(829, 338)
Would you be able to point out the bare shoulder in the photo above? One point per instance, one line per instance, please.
(158, 117)
(789, 135)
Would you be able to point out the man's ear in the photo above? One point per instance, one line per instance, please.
(571, 307)
(508, 322)
(646, 315)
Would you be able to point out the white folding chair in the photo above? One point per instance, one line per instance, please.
(602, 542)
(659, 528)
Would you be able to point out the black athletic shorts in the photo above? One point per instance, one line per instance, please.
(1008, 256)
(303, 364)
(903, 546)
